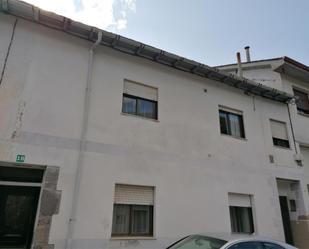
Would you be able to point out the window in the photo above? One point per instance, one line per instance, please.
(198, 242)
(241, 213)
(21, 174)
(302, 101)
(279, 134)
(140, 100)
(133, 211)
(231, 123)
(248, 245)
(268, 245)
(293, 206)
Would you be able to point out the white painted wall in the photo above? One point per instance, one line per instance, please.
(192, 166)
(263, 73)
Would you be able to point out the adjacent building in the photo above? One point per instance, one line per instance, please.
(106, 142)
(290, 76)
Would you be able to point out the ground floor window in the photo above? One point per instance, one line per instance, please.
(133, 211)
(132, 220)
(241, 213)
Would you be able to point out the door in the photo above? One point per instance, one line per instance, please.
(18, 206)
(286, 220)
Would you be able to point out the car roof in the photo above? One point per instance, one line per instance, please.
(233, 238)
(230, 236)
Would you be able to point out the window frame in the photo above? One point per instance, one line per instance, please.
(228, 123)
(130, 233)
(136, 113)
(304, 92)
(251, 220)
(279, 142)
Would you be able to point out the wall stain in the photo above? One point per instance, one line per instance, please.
(19, 119)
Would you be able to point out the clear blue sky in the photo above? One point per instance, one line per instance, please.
(209, 31)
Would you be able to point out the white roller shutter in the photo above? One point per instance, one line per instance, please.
(278, 129)
(231, 110)
(136, 195)
(239, 200)
(139, 90)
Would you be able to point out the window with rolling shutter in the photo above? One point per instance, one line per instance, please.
(240, 206)
(140, 100)
(133, 210)
(302, 101)
(279, 134)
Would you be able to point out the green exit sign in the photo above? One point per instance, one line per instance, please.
(20, 158)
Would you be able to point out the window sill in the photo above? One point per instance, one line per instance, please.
(136, 116)
(132, 238)
(244, 234)
(239, 138)
(281, 147)
(303, 114)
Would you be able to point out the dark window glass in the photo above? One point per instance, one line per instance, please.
(231, 124)
(268, 245)
(241, 220)
(247, 245)
(129, 105)
(293, 206)
(15, 174)
(132, 220)
(281, 142)
(147, 108)
(139, 106)
(224, 125)
(302, 101)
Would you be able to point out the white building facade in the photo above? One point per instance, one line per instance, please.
(287, 75)
(101, 147)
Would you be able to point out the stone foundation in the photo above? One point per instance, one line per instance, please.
(300, 230)
(49, 205)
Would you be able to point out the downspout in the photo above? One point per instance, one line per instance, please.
(292, 127)
(82, 146)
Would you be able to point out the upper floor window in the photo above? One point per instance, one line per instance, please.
(279, 134)
(231, 123)
(302, 101)
(140, 100)
(241, 213)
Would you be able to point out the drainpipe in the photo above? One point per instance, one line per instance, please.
(82, 145)
(292, 128)
(240, 74)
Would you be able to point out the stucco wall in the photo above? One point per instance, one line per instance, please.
(183, 154)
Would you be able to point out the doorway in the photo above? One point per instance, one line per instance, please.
(286, 220)
(18, 206)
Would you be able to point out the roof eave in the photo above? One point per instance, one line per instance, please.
(27, 11)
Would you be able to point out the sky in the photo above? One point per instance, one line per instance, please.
(208, 31)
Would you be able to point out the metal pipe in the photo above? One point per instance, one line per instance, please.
(247, 48)
(82, 145)
(240, 74)
(292, 128)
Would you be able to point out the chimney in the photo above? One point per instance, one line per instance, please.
(247, 48)
(239, 65)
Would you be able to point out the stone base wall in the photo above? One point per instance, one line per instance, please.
(49, 205)
(300, 230)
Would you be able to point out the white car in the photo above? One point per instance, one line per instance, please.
(227, 242)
